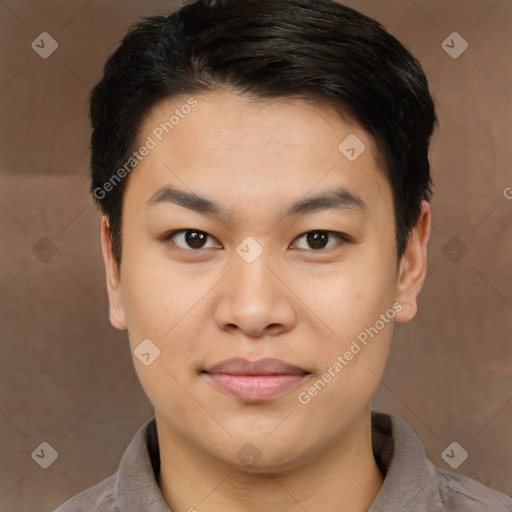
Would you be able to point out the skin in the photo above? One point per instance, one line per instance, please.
(295, 302)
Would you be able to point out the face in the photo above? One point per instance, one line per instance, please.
(248, 234)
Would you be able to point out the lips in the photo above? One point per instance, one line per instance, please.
(255, 381)
(240, 366)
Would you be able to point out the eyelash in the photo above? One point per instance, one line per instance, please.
(342, 236)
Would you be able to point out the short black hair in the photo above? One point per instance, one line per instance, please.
(318, 50)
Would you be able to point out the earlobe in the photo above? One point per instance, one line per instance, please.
(113, 278)
(413, 266)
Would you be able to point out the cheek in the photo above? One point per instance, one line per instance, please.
(357, 307)
(156, 295)
(166, 305)
(350, 298)
(352, 363)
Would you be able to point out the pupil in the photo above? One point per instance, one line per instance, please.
(195, 239)
(317, 239)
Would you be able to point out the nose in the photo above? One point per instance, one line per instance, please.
(254, 299)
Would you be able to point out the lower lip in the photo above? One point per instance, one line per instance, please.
(256, 388)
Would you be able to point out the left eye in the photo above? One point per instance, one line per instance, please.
(318, 240)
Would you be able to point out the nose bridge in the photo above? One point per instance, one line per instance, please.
(253, 298)
(251, 271)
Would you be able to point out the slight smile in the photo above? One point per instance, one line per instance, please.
(255, 381)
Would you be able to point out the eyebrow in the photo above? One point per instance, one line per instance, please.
(338, 199)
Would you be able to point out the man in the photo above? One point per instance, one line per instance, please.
(262, 169)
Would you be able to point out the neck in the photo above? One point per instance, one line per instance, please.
(342, 478)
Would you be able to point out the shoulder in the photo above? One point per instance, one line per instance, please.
(460, 493)
(412, 482)
(99, 497)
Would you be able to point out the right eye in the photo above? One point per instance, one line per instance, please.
(189, 239)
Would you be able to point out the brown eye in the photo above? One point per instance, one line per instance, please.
(195, 239)
(318, 240)
(191, 239)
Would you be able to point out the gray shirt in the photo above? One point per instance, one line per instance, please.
(411, 484)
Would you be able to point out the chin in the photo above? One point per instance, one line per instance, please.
(261, 454)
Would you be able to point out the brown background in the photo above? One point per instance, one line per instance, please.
(67, 376)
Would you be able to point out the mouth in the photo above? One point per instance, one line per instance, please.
(255, 381)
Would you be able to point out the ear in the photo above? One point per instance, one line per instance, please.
(113, 275)
(413, 266)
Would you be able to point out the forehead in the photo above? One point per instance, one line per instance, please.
(226, 118)
(222, 143)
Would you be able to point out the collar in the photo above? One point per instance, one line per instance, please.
(409, 477)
